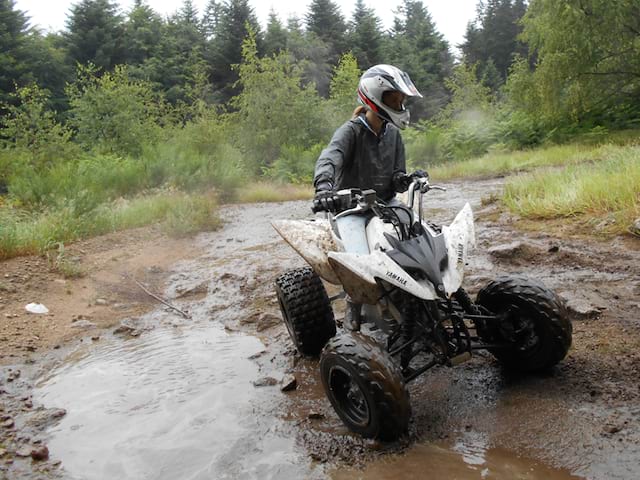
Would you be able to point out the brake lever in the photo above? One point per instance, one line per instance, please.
(434, 187)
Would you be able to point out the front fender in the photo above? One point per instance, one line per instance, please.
(312, 239)
(460, 239)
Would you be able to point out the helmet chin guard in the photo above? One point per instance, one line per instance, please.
(386, 78)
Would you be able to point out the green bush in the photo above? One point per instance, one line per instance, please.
(295, 164)
(114, 113)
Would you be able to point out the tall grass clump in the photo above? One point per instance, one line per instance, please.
(503, 163)
(24, 233)
(607, 190)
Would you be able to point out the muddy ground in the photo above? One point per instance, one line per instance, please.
(582, 420)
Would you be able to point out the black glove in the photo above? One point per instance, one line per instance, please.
(401, 182)
(325, 199)
(420, 174)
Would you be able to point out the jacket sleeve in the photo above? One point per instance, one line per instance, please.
(334, 157)
(400, 165)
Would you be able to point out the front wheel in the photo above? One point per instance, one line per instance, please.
(365, 387)
(534, 324)
(306, 309)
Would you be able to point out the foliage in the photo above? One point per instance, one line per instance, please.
(588, 68)
(491, 41)
(325, 22)
(417, 47)
(274, 108)
(34, 134)
(14, 55)
(236, 20)
(344, 85)
(275, 38)
(365, 36)
(115, 113)
(95, 33)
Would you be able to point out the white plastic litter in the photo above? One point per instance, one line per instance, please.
(36, 308)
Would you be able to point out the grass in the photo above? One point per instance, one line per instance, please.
(37, 233)
(605, 193)
(492, 165)
(273, 192)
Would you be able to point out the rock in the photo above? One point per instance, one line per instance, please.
(255, 356)
(288, 383)
(635, 228)
(233, 276)
(315, 415)
(2, 452)
(554, 249)
(23, 452)
(581, 308)
(36, 308)
(127, 327)
(265, 382)
(102, 302)
(201, 289)
(508, 250)
(83, 324)
(40, 453)
(44, 417)
(612, 429)
(8, 423)
(267, 320)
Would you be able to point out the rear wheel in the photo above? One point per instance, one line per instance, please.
(306, 310)
(535, 323)
(365, 387)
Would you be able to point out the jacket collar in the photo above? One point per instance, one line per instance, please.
(383, 130)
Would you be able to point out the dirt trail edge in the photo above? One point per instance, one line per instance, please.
(583, 417)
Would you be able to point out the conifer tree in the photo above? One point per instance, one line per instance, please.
(365, 36)
(14, 30)
(275, 37)
(417, 47)
(324, 20)
(236, 18)
(493, 36)
(142, 33)
(95, 34)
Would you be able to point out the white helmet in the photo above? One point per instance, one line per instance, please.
(386, 78)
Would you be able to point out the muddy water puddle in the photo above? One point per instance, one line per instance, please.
(171, 404)
(467, 459)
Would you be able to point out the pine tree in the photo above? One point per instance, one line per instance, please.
(365, 36)
(325, 21)
(142, 33)
(236, 16)
(275, 38)
(417, 47)
(494, 36)
(95, 33)
(14, 30)
(211, 19)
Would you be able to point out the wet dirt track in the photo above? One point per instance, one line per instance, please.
(179, 401)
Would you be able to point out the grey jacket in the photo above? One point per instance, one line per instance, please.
(357, 158)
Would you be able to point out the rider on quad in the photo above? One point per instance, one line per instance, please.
(367, 152)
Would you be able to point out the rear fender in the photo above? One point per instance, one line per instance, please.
(312, 239)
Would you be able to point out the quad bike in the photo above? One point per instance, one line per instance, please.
(402, 279)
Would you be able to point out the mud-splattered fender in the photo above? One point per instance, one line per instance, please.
(460, 238)
(312, 239)
(358, 274)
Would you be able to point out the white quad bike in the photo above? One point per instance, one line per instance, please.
(403, 279)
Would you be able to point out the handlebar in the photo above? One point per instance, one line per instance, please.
(351, 198)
